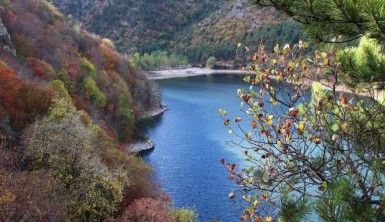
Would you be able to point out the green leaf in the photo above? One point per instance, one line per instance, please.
(222, 112)
(247, 79)
(335, 127)
(324, 185)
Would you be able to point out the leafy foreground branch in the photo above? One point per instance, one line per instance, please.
(309, 150)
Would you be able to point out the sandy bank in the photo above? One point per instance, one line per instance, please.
(189, 72)
(180, 73)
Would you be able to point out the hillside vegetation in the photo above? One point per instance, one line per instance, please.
(196, 29)
(68, 101)
(141, 25)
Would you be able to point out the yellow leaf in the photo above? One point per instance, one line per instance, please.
(288, 137)
(344, 126)
(269, 120)
(301, 128)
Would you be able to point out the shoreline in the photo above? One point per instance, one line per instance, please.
(140, 146)
(154, 113)
(190, 72)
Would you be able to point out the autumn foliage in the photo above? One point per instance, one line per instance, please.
(41, 69)
(56, 48)
(67, 108)
(147, 210)
(22, 102)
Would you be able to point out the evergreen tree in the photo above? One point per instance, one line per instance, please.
(327, 19)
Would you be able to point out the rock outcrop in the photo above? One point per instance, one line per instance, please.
(5, 39)
(141, 146)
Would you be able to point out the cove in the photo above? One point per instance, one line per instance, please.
(190, 141)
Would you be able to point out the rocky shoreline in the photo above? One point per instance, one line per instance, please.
(141, 146)
(155, 113)
(146, 145)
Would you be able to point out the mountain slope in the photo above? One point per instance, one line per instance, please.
(68, 101)
(198, 29)
(219, 33)
(54, 48)
(144, 25)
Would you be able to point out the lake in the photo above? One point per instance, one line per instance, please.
(190, 141)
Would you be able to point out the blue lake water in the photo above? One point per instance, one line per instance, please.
(190, 141)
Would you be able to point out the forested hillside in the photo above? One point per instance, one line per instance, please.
(140, 25)
(196, 29)
(68, 104)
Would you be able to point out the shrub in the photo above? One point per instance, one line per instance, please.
(40, 68)
(98, 97)
(211, 62)
(140, 183)
(61, 90)
(126, 115)
(90, 85)
(184, 215)
(147, 210)
(32, 101)
(88, 67)
(111, 57)
(62, 106)
(21, 102)
(62, 75)
(67, 147)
